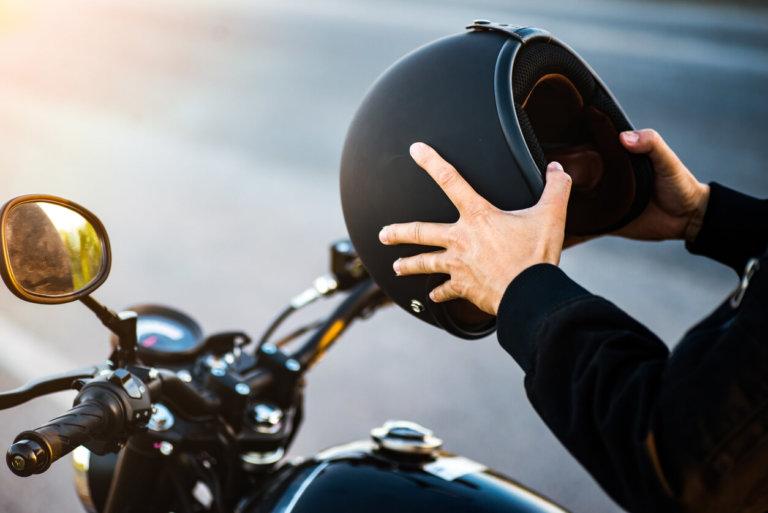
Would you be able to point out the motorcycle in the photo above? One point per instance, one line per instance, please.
(178, 421)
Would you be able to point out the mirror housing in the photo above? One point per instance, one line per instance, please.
(53, 250)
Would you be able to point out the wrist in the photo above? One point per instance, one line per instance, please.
(696, 219)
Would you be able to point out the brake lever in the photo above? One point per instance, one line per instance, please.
(48, 385)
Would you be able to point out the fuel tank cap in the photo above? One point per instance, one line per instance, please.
(405, 437)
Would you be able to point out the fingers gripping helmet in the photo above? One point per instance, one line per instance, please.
(497, 102)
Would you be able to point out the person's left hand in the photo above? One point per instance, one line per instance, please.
(486, 248)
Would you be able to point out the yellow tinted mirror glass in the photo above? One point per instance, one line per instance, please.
(52, 250)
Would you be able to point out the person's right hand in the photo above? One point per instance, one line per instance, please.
(679, 201)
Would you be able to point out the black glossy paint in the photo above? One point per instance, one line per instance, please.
(355, 478)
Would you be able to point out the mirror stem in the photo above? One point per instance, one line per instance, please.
(123, 325)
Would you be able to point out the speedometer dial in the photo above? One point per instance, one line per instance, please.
(166, 335)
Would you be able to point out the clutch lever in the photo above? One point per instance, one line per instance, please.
(48, 385)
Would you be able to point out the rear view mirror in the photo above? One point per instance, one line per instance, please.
(53, 250)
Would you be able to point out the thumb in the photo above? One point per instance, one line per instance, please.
(557, 189)
(648, 141)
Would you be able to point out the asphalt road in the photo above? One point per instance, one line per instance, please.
(206, 136)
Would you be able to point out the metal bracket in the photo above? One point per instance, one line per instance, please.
(753, 265)
(522, 34)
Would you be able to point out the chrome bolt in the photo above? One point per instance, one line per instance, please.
(292, 365)
(166, 448)
(416, 306)
(162, 419)
(216, 371)
(185, 376)
(19, 463)
(269, 348)
(242, 389)
(324, 285)
(482, 22)
(267, 418)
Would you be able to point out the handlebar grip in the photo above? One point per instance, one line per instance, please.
(33, 451)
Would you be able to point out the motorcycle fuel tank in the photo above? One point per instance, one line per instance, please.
(377, 477)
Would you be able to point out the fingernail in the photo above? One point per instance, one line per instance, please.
(630, 136)
(432, 296)
(383, 235)
(396, 267)
(554, 166)
(417, 149)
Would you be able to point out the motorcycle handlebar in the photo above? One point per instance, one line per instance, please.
(364, 298)
(33, 451)
(105, 411)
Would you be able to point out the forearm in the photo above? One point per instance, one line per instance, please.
(686, 432)
(592, 374)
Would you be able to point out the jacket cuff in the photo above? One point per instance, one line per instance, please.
(734, 228)
(527, 302)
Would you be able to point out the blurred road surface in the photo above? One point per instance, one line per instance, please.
(207, 135)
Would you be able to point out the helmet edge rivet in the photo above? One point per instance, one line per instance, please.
(417, 306)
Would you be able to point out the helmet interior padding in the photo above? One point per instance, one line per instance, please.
(565, 116)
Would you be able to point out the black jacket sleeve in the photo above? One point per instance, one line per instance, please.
(735, 228)
(646, 424)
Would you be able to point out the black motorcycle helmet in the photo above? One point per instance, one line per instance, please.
(498, 102)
